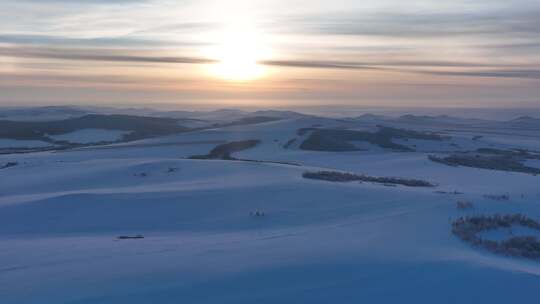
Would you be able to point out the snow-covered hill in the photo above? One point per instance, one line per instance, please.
(251, 229)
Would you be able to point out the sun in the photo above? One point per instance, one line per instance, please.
(237, 54)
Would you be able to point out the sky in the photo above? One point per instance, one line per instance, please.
(432, 53)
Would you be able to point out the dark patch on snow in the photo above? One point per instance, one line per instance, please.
(336, 140)
(333, 176)
(491, 159)
(225, 151)
(469, 228)
(8, 165)
(128, 237)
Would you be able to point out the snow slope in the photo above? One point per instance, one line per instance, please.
(319, 242)
(15, 143)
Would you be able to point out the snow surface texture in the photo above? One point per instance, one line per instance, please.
(506, 233)
(15, 143)
(89, 136)
(319, 242)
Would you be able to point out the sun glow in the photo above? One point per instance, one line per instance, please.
(237, 53)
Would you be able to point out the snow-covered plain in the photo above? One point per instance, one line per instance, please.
(319, 242)
(17, 143)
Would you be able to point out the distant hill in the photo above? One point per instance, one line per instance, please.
(280, 114)
(228, 114)
(139, 126)
(525, 122)
(43, 113)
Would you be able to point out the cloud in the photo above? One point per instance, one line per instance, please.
(467, 69)
(317, 64)
(512, 71)
(424, 25)
(23, 39)
(112, 55)
(69, 2)
(95, 55)
(380, 64)
(509, 73)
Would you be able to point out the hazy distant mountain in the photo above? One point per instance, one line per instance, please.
(280, 114)
(526, 122)
(228, 114)
(439, 119)
(371, 116)
(43, 113)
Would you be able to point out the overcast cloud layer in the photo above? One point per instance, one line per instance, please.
(424, 52)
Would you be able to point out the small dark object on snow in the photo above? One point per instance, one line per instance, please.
(446, 192)
(127, 237)
(502, 197)
(257, 213)
(7, 165)
(464, 205)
